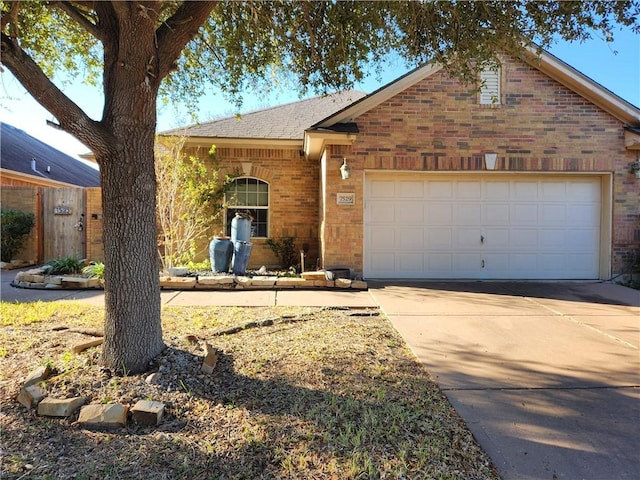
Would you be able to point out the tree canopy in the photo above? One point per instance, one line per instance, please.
(138, 50)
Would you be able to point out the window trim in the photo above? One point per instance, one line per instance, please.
(227, 206)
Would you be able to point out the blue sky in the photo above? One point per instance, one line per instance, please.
(619, 72)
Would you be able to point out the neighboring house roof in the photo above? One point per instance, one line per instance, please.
(18, 149)
(283, 122)
(545, 62)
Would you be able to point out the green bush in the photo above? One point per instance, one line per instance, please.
(16, 225)
(94, 270)
(67, 265)
(285, 250)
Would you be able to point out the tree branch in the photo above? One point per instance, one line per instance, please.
(78, 16)
(72, 118)
(174, 34)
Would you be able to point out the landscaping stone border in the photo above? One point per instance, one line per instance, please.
(38, 279)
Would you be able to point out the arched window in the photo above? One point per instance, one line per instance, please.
(252, 196)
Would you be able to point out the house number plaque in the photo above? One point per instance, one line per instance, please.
(346, 199)
(61, 210)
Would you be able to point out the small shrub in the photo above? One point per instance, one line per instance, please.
(203, 266)
(285, 250)
(94, 270)
(63, 266)
(16, 225)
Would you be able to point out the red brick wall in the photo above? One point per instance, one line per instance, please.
(293, 198)
(437, 124)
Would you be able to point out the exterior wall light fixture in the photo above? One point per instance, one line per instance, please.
(634, 168)
(490, 160)
(345, 170)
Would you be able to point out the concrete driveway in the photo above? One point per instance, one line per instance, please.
(546, 375)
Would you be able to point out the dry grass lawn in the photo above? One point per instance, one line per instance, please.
(317, 394)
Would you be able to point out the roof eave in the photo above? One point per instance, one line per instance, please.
(244, 142)
(25, 177)
(316, 140)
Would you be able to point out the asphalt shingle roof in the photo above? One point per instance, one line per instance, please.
(282, 122)
(17, 149)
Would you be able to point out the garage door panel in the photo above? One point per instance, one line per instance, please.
(380, 212)
(468, 190)
(410, 239)
(440, 190)
(583, 191)
(496, 190)
(466, 238)
(468, 214)
(410, 189)
(382, 189)
(496, 214)
(524, 214)
(439, 213)
(538, 227)
(556, 190)
(438, 238)
(497, 239)
(582, 239)
(524, 191)
(410, 262)
(553, 214)
(580, 215)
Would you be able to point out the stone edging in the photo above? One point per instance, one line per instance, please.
(37, 279)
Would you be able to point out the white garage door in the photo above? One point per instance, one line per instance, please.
(482, 227)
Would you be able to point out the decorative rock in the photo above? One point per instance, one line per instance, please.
(263, 282)
(38, 375)
(210, 360)
(314, 275)
(292, 282)
(343, 283)
(81, 347)
(152, 379)
(55, 280)
(243, 281)
(103, 416)
(358, 284)
(37, 278)
(31, 395)
(324, 283)
(52, 286)
(215, 280)
(146, 412)
(22, 277)
(74, 282)
(4, 265)
(55, 407)
(178, 282)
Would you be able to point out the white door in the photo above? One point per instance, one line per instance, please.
(482, 226)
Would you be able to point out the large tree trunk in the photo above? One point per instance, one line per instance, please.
(133, 331)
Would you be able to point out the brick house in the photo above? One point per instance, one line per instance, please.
(530, 176)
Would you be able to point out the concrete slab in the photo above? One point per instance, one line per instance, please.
(517, 352)
(473, 298)
(325, 298)
(546, 375)
(588, 434)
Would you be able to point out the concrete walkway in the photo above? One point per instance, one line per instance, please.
(546, 375)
